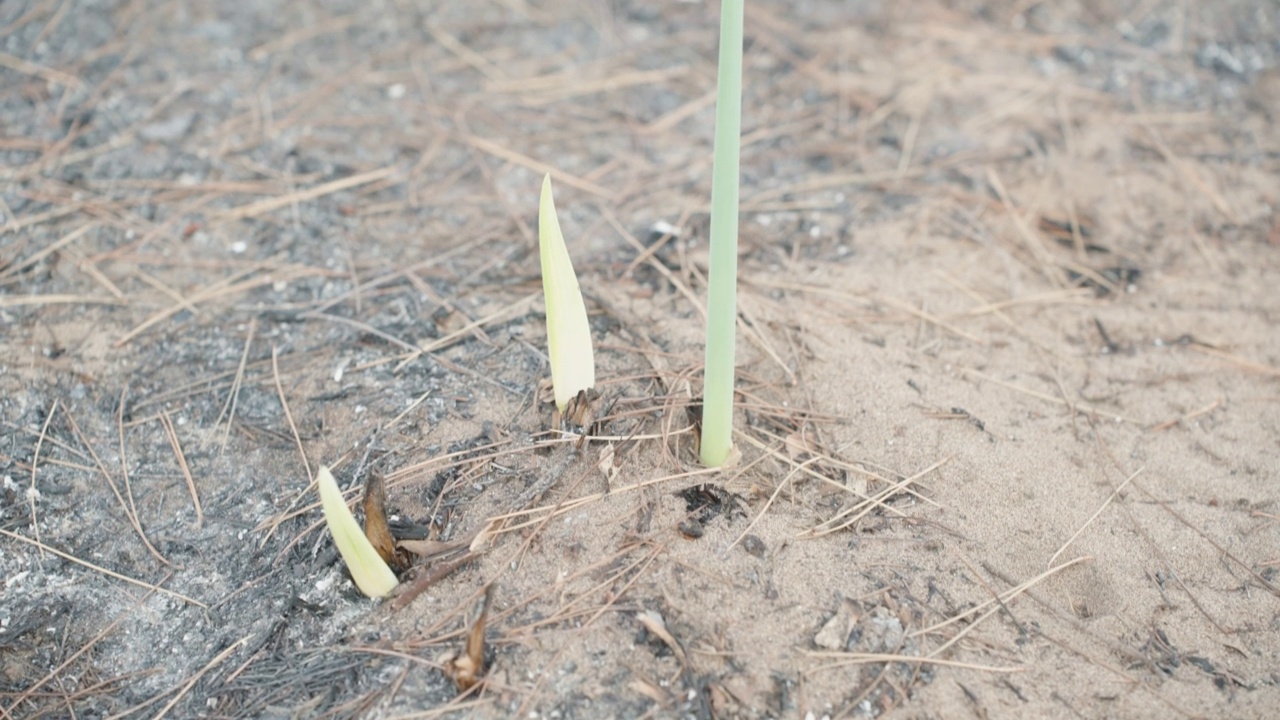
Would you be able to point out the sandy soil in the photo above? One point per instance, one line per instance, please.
(1009, 372)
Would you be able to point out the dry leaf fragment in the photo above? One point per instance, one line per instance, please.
(433, 549)
(578, 413)
(658, 695)
(608, 464)
(653, 622)
(835, 632)
(467, 669)
(693, 412)
(481, 541)
(798, 446)
(375, 521)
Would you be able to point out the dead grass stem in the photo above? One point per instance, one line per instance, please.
(167, 423)
(1094, 516)
(35, 461)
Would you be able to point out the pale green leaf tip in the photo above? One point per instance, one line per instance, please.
(573, 365)
(372, 575)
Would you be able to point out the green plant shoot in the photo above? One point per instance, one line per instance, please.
(374, 578)
(722, 293)
(573, 366)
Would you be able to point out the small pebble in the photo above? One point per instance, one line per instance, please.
(753, 545)
(691, 529)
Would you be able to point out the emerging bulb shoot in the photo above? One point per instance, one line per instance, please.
(372, 575)
(573, 365)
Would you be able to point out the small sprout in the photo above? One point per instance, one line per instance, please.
(573, 366)
(371, 573)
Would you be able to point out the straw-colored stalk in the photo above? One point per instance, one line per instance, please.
(573, 365)
(374, 578)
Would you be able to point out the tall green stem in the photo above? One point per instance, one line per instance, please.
(722, 295)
